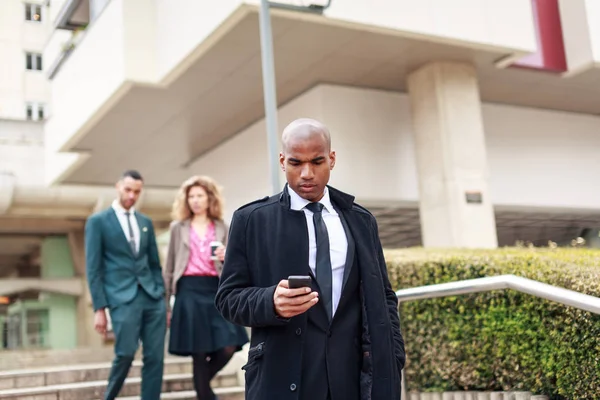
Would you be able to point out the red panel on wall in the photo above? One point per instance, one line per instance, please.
(550, 55)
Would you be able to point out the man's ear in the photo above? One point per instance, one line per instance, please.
(332, 159)
(282, 161)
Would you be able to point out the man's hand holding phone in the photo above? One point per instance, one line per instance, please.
(293, 296)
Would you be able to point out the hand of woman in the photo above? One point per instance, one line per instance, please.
(220, 253)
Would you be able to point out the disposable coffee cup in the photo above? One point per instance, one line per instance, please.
(214, 245)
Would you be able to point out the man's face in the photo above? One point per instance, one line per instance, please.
(307, 162)
(129, 191)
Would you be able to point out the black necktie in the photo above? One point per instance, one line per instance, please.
(131, 237)
(323, 264)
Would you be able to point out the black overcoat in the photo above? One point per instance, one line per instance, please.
(268, 242)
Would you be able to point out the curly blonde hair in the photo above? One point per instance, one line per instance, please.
(181, 209)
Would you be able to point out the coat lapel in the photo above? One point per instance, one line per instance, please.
(144, 229)
(350, 253)
(184, 233)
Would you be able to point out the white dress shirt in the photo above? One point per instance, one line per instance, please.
(338, 243)
(120, 211)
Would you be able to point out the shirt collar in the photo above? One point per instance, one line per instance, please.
(119, 208)
(298, 203)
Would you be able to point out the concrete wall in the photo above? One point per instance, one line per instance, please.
(56, 262)
(537, 157)
(490, 23)
(117, 49)
(17, 36)
(542, 158)
(21, 150)
(593, 21)
(373, 138)
(248, 177)
(62, 327)
(26, 162)
(182, 25)
(91, 76)
(580, 21)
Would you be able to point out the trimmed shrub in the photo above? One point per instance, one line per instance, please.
(501, 340)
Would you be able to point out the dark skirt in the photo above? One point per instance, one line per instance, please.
(196, 324)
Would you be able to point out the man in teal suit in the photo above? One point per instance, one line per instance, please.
(124, 276)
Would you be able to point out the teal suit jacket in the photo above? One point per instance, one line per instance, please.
(114, 273)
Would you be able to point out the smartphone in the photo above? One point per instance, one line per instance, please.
(298, 281)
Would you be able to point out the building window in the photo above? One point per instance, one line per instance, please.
(35, 111)
(33, 61)
(36, 330)
(33, 12)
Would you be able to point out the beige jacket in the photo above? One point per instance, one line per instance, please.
(179, 253)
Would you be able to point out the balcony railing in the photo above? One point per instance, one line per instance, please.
(72, 14)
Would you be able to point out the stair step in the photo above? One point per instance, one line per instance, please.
(476, 396)
(60, 375)
(94, 389)
(21, 359)
(231, 393)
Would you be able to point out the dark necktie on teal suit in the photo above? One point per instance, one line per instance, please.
(131, 236)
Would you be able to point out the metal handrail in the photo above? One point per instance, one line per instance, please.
(524, 285)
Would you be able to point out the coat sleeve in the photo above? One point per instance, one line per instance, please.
(238, 299)
(93, 262)
(154, 259)
(391, 300)
(170, 265)
(226, 236)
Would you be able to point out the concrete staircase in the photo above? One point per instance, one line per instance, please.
(82, 380)
(25, 359)
(87, 382)
(475, 396)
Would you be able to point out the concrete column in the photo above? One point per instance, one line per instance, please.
(86, 335)
(7, 187)
(455, 204)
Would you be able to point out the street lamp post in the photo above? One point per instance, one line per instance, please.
(269, 91)
(268, 74)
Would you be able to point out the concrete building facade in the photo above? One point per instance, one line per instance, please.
(44, 302)
(459, 124)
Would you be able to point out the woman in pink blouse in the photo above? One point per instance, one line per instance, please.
(192, 275)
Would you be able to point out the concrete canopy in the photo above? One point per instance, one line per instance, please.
(217, 91)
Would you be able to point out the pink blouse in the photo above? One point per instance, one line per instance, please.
(200, 263)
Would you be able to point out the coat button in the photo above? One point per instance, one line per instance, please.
(293, 387)
(298, 331)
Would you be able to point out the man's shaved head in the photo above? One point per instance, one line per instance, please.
(303, 128)
(306, 157)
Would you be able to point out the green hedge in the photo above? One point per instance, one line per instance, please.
(500, 340)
